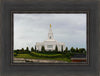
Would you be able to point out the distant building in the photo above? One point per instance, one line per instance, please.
(78, 58)
(51, 43)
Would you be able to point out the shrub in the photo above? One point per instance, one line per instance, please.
(15, 54)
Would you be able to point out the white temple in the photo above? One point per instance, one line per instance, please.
(51, 43)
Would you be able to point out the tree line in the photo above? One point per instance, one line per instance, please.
(72, 50)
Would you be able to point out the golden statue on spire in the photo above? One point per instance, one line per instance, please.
(50, 25)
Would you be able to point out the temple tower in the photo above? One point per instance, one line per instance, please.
(50, 34)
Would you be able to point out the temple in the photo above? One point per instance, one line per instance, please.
(50, 43)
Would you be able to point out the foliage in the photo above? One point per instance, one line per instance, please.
(24, 56)
(72, 49)
(22, 49)
(43, 54)
(62, 48)
(56, 49)
(82, 50)
(69, 54)
(46, 55)
(32, 49)
(77, 50)
(35, 49)
(15, 54)
(43, 49)
(66, 49)
(28, 56)
(27, 49)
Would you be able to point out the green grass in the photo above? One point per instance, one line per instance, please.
(43, 56)
(24, 56)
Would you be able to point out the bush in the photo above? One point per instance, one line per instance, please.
(32, 49)
(15, 54)
(43, 49)
(46, 55)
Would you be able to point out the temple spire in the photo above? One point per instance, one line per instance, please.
(50, 25)
(50, 34)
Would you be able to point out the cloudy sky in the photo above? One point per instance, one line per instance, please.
(32, 28)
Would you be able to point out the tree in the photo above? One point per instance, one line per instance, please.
(56, 49)
(77, 50)
(22, 49)
(62, 48)
(66, 50)
(72, 50)
(35, 48)
(43, 49)
(68, 55)
(82, 50)
(32, 49)
(27, 49)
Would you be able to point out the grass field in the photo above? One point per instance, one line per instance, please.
(34, 55)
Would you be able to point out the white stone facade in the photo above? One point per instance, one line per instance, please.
(50, 44)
